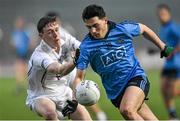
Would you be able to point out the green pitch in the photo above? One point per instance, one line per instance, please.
(12, 106)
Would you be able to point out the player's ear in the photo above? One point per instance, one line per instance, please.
(41, 34)
(106, 19)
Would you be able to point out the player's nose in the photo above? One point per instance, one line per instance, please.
(93, 30)
(55, 34)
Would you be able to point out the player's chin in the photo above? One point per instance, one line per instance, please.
(97, 36)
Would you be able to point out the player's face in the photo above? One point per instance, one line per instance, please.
(97, 27)
(51, 33)
(164, 15)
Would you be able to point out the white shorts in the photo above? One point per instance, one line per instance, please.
(59, 100)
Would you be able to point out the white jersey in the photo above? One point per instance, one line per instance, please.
(42, 83)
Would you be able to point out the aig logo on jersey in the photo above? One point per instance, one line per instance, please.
(113, 56)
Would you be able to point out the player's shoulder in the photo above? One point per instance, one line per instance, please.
(85, 41)
(126, 22)
(174, 24)
(38, 53)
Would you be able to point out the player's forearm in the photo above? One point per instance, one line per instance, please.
(62, 69)
(76, 82)
(150, 35)
(67, 68)
(79, 77)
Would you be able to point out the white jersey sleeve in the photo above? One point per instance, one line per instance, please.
(42, 60)
(71, 41)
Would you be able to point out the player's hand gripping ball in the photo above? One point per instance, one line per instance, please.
(87, 93)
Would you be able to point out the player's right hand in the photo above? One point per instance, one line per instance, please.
(70, 107)
(168, 51)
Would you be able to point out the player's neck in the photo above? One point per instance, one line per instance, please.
(106, 30)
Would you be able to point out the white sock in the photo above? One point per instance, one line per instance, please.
(101, 116)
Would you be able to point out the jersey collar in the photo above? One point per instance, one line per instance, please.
(111, 25)
(45, 46)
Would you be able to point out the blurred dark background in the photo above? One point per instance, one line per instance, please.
(143, 11)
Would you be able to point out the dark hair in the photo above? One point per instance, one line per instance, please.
(53, 14)
(92, 11)
(163, 6)
(43, 22)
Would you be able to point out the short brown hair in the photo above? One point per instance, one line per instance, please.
(44, 21)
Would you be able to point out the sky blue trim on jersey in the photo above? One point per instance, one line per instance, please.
(143, 83)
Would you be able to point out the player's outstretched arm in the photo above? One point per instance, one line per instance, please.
(62, 69)
(150, 35)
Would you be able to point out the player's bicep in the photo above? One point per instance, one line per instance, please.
(54, 67)
(143, 28)
(42, 61)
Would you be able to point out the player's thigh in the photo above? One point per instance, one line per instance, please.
(43, 105)
(176, 87)
(164, 85)
(132, 99)
(168, 77)
(81, 113)
(177, 84)
(146, 113)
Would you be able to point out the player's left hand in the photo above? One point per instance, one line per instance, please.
(167, 52)
(70, 107)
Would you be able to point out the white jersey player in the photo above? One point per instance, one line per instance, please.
(50, 72)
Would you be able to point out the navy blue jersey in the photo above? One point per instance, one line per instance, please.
(170, 34)
(113, 57)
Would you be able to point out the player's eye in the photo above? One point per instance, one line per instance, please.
(49, 32)
(93, 26)
(89, 27)
(96, 25)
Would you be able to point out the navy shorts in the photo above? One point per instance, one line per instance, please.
(139, 81)
(170, 73)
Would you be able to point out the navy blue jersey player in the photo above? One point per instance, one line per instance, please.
(170, 76)
(109, 50)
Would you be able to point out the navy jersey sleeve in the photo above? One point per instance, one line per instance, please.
(132, 28)
(83, 60)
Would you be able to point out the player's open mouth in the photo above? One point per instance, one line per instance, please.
(56, 39)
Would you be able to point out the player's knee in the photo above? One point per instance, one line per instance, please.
(50, 114)
(127, 112)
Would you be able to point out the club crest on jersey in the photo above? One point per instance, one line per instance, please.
(113, 56)
(120, 41)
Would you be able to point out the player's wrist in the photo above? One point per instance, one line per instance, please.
(166, 51)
